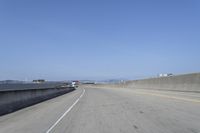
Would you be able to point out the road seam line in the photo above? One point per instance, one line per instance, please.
(66, 112)
(170, 97)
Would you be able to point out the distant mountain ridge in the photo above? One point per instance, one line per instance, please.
(11, 82)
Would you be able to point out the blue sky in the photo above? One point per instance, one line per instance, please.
(90, 39)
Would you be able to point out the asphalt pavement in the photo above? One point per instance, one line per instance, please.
(109, 110)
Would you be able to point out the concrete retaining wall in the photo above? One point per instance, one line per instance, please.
(187, 82)
(12, 100)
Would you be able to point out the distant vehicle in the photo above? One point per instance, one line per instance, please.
(72, 84)
(75, 83)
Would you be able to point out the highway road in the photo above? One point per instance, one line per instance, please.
(109, 110)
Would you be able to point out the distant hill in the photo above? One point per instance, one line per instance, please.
(11, 82)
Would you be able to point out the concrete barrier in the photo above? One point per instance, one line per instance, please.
(12, 100)
(186, 83)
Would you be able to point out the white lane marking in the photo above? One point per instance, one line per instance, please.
(66, 112)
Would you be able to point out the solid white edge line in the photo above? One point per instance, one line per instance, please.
(66, 112)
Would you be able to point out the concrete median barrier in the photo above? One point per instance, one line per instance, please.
(12, 100)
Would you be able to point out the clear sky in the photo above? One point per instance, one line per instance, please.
(90, 39)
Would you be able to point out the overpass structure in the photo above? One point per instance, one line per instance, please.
(159, 105)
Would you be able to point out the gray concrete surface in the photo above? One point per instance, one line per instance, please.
(186, 82)
(110, 110)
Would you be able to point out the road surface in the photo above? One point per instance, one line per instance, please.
(109, 110)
